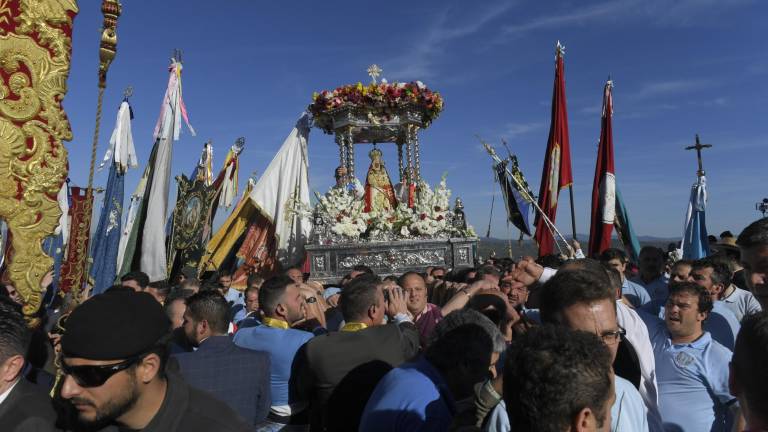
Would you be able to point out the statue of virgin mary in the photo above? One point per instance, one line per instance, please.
(379, 193)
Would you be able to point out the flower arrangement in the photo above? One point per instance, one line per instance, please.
(382, 100)
(342, 213)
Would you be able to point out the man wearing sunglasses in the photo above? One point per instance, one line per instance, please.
(114, 371)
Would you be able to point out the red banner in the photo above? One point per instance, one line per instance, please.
(556, 173)
(604, 185)
(73, 269)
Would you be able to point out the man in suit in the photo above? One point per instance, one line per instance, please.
(23, 405)
(234, 375)
(364, 348)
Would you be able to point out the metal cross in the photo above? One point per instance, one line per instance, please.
(374, 71)
(128, 92)
(698, 147)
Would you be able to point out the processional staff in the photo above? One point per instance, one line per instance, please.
(699, 147)
(111, 9)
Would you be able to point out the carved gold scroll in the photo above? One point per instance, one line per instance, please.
(35, 47)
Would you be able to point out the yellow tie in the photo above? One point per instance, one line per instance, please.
(275, 323)
(353, 327)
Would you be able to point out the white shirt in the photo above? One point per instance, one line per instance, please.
(5, 394)
(637, 334)
(742, 303)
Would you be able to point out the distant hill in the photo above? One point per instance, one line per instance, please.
(528, 247)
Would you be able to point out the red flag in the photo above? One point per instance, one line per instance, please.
(604, 186)
(557, 173)
(74, 267)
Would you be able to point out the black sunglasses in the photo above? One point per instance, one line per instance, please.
(95, 376)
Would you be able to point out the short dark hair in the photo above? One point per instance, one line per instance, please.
(467, 347)
(551, 373)
(721, 273)
(223, 272)
(161, 286)
(487, 270)
(552, 261)
(140, 277)
(614, 253)
(705, 300)
(177, 294)
(251, 288)
(359, 294)
(363, 268)
(750, 355)
(408, 274)
(15, 336)
(756, 234)
(212, 307)
(272, 291)
(254, 278)
(569, 287)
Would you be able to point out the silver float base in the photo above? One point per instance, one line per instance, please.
(329, 263)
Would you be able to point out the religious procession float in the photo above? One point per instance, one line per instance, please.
(391, 228)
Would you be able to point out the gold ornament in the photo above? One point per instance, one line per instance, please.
(34, 65)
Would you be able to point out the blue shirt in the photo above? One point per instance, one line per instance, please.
(741, 303)
(656, 288)
(635, 293)
(412, 397)
(234, 297)
(628, 412)
(281, 344)
(721, 323)
(693, 382)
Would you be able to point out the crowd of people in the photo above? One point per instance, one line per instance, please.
(584, 344)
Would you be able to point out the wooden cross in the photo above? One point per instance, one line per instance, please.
(698, 147)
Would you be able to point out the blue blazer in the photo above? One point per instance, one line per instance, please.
(232, 374)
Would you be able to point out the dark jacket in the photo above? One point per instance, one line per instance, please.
(323, 362)
(28, 408)
(237, 376)
(187, 409)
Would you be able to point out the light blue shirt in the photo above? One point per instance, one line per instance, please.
(693, 382)
(282, 345)
(721, 323)
(657, 289)
(234, 297)
(635, 293)
(742, 303)
(628, 412)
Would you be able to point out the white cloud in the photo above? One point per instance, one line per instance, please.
(663, 88)
(418, 62)
(513, 130)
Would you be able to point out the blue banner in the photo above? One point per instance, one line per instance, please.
(106, 239)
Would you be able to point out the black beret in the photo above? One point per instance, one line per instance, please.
(113, 326)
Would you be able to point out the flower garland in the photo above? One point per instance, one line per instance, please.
(380, 99)
(430, 217)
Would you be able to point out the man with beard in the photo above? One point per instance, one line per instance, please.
(114, 365)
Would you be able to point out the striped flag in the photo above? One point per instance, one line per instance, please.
(556, 173)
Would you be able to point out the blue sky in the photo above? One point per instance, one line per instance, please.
(679, 68)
